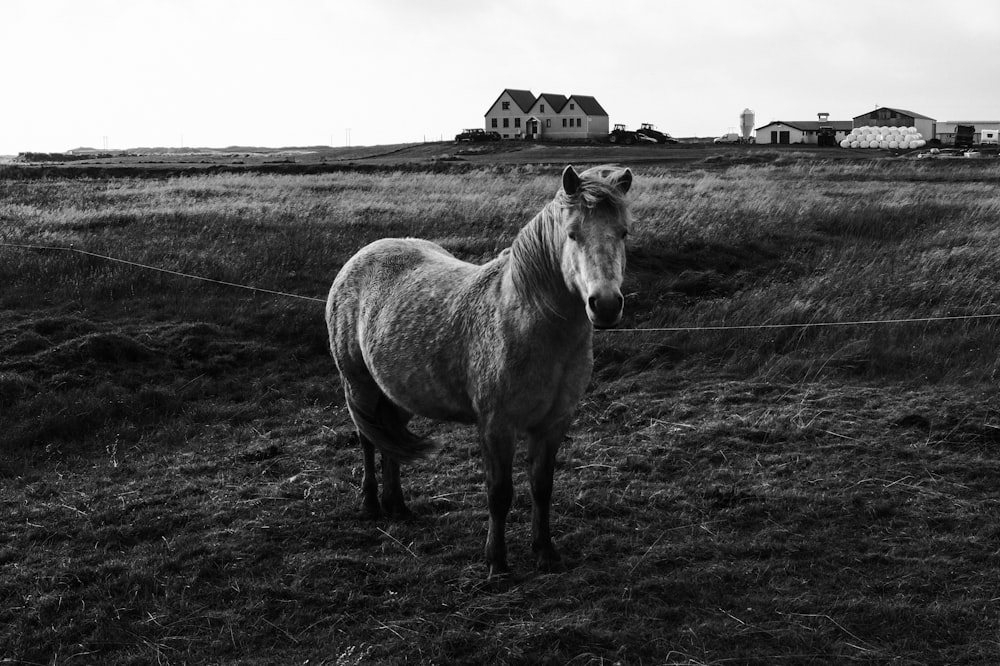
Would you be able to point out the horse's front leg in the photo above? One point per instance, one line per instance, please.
(542, 449)
(498, 458)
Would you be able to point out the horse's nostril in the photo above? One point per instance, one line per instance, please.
(606, 307)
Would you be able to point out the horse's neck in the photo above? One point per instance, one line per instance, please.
(535, 269)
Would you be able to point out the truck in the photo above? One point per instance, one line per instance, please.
(965, 136)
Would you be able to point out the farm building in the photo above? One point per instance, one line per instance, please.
(816, 132)
(987, 131)
(889, 117)
(518, 114)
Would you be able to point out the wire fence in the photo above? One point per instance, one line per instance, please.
(665, 329)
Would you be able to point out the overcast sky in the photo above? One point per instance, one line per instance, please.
(215, 73)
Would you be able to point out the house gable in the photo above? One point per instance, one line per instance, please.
(518, 100)
(549, 104)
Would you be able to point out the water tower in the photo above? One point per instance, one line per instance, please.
(746, 124)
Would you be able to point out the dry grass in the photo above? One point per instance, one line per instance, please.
(180, 482)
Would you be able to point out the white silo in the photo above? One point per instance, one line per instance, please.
(746, 124)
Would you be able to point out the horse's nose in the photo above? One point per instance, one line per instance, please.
(605, 308)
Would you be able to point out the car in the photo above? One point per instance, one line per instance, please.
(731, 137)
(476, 134)
(648, 131)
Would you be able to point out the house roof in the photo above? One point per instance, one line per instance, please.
(524, 99)
(912, 114)
(949, 125)
(589, 105)
(557, 102)
(812, 125)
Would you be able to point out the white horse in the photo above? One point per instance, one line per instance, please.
(506, 345)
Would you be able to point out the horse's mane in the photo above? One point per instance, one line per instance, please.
(536, 254)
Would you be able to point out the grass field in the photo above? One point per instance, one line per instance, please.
(179, 479)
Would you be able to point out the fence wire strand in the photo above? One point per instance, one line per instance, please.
(665, 329)
(135, 264)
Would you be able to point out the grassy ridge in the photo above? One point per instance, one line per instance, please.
(179, 479)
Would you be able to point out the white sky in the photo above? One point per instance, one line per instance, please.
(313, 72)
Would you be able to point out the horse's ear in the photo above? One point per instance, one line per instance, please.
(570, 180)
(625, 181)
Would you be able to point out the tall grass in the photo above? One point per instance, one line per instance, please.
(179, 474)
(822, 243)
(742, 246)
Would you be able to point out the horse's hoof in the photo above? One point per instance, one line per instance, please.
(399, 513)
(396, 510)
(547, 565)
(498, 579)
(549, 561)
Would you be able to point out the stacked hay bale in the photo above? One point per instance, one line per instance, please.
(892, 138)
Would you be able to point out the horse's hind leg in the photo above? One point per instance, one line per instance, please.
(369, 482)
(392, 492)
(376, 408)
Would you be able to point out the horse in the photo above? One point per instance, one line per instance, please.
(506, 345)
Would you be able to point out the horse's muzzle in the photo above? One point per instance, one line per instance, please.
(605, 310)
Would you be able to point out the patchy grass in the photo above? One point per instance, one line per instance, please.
(179, 479)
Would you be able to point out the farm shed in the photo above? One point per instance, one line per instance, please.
(816, 132)
(518, 114)
(889, 117)
(987, 131)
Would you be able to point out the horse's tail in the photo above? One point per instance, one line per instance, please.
(385, 427)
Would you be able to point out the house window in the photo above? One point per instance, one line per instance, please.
(494, 123)
(517, 122)
(572, 107)
(564, 122)
(579, 122)
(541, 108)
(506, 122)
(548, 122)
(505, 106)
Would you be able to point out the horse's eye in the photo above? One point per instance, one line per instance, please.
(574, 236)
(624, 234)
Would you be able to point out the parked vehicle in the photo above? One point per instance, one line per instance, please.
(476, 134)
(730, 137)
(965, 136)
(622, 135)
(650, 131)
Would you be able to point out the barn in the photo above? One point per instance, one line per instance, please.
(821, 132)
(518, 114)
(890, 117)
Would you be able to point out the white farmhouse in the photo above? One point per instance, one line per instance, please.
(518, 114)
